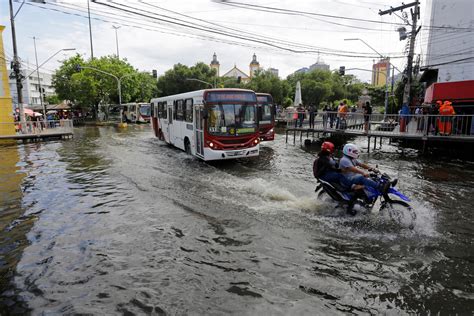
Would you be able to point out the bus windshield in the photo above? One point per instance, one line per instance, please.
(267, 113)
(145, 110)
(231, 119)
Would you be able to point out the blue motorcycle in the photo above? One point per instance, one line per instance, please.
(393, 201)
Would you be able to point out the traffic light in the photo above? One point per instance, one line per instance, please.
(77, 68)
(342, 70)
(155, 73)
(239, 79)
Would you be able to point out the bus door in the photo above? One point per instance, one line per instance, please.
(154, 118)
(199, 126)
(169, 125)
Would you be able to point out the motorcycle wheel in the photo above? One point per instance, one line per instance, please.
(401, 212)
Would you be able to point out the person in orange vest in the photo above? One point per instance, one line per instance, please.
(446, 111)
(342, 113)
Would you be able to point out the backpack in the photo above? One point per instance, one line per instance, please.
(320, 167)
(315, 168)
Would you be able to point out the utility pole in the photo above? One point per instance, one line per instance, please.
(39, 82)
(90, 29)
(415, 15)
(116, 39)
(16, 65)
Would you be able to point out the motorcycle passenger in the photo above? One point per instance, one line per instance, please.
(350, 168)
(326, 168)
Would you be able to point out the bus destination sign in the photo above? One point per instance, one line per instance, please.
(230, 96)
(263, 99)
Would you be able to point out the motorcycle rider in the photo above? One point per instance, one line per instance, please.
(326, 168)
(354, 171)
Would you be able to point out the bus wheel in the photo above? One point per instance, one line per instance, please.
(187, 146)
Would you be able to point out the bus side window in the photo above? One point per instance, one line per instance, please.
(152, 110)
(164, 109)
(180, 110)
(189, 110)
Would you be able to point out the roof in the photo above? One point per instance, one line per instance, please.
(197, 93)
(235, 72)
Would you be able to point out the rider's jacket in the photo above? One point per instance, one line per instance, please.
(324, 164)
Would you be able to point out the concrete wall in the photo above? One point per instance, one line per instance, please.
(6, 115)
(446, 46)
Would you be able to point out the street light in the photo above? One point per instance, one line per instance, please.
(116, 39)
(119, 80)
(388, 68)
(38, 75)
(192, 79)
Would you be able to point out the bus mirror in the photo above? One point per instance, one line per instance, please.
(204, 114)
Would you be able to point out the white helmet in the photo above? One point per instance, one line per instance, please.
(351, 150)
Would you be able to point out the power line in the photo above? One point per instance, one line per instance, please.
(320, 49)
(201, 37)
(460, 61)
(261, 41)
(297, 12)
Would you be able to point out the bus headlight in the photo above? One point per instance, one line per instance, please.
(211, 144)
(256, 141)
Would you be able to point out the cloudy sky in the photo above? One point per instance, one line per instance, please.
(156, 34)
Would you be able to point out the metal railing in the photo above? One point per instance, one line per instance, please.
(36, 128)
(415, 125)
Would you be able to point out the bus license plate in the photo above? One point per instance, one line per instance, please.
(235, 153)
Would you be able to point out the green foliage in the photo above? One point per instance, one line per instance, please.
(52, 99)
(377, 95)
(287, 102)
(415, 92)
(267, 82)
(88, 88)
(175, 81)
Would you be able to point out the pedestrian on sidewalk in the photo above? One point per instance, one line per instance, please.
(446, 112)
(367, 114)
(313, 111)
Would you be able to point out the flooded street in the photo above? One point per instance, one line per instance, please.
(118, 222)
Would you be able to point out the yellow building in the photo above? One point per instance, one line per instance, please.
(380, 72)
(215, 64)
(254, 66)
(6, 115)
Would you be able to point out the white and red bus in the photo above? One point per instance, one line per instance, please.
(137, 112)
(266, 116)
(212, 124)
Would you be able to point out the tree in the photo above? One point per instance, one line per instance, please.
(377, 95)
(87, 88)
(175, 81)
(52, 99)
(416, 93)
(145, 87)
(267, 82)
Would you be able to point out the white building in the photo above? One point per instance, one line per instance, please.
(319, 65)
(273, 71)
(450, 48)
(30, 91)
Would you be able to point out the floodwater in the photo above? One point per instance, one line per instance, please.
(116, 222)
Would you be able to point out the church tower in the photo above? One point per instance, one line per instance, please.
(254, 65)
(215, 64)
